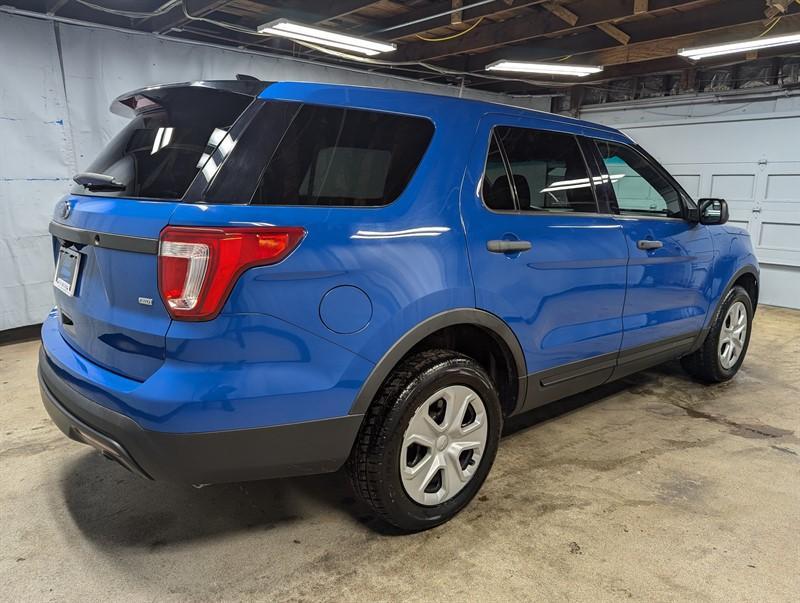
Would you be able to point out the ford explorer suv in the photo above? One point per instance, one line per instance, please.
(257, 280)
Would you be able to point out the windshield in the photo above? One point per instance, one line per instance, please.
(159, 152)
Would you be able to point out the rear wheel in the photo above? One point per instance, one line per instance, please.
(428, 440)
(724, 349)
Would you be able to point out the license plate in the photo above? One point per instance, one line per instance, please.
(67, 268)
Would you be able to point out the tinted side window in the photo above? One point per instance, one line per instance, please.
(548, 170)
(639, 187)
(347, 157)
(496, 187)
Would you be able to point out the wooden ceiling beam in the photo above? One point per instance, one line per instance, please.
(566, 15)
(522, 28)
(587, 45)
(317, 11)
(665, 47)
(457, 18)
(615, 32)
(419, 20)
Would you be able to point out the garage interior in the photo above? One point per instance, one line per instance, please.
(654, 487)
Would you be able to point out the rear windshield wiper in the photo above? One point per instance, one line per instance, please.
(98, 182)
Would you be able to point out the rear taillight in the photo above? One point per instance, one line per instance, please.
(197, 267)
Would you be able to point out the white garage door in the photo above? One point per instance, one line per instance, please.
(753, 163)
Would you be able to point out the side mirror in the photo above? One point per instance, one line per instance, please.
(713, 211)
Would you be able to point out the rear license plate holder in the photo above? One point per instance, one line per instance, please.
(67, 268)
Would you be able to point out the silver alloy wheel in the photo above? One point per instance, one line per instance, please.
(443, 445)
(733, 334)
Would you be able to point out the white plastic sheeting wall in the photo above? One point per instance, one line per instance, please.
(56, 84)
(744, 149)
(36, 162)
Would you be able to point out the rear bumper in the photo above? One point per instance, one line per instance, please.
(308, 447)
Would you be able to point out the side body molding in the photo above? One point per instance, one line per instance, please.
(458, 316)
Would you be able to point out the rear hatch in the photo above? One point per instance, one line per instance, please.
(106, 232)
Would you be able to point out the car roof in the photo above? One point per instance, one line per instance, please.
(424, 103)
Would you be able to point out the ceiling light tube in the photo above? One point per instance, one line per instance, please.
(304, 33)
(703, 52)
(548, 68)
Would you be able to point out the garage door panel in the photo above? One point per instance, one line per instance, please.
(733, 187)
(764, 199)
(778, 215)
(754, 164)
(780, 285)
(737, 185)
(739, 223)
(690, 183)
(775, 235)
(783, 187)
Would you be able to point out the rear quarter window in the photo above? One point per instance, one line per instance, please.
(311, 155)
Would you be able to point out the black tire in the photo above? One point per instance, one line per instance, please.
(374, 462)
(705, 363)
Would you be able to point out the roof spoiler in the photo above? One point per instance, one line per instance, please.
(152, 97)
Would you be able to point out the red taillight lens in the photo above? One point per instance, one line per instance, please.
(197, 267)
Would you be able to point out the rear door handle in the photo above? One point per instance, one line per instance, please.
(503, 246)
(649, 244)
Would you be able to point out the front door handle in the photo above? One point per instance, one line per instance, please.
(505, 246)
(649, 244)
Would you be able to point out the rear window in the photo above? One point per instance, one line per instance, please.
(300, 154)
(159, 152)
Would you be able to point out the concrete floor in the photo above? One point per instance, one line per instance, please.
(654, 488)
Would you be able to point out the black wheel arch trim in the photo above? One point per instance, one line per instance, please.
(748, 269)
(449, 318)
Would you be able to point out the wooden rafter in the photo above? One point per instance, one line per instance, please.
(615, 32)
(520, 29)
(561, 12)
(457, 18)
(419, 20)
(589, 41)
(630, 38)
(666, 47)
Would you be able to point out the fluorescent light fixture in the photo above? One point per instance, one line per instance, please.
(304, 33)
(703, 52)
(549, 68)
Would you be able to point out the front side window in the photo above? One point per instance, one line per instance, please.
(638, 186)
(548, 172)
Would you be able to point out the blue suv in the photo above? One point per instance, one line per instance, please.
(267, 279)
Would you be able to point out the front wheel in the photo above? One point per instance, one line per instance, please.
(724, 349)
(428, 440)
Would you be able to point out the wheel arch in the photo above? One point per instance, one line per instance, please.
(431, 331)
(747, 277)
